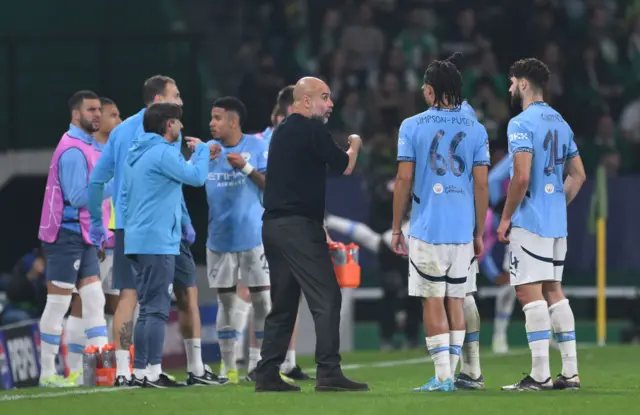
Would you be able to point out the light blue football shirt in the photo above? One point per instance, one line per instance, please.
(445, 145)
(542, 131)
(235, 207)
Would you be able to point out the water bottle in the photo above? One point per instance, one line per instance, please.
(354, 251)
(108, 356)
(90, 359)
(339, 254)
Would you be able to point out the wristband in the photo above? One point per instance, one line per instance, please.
(247, 169)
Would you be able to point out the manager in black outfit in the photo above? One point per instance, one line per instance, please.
(294, 238)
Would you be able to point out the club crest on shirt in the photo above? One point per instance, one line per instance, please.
(246, 156)
(437, 188)
(549, 188)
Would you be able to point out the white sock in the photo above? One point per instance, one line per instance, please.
(93, 302)
(76, 340)
(153, 372)
(109, 319)
(438, 347)
(50, 331)
(254, 358)
(193, 349)
(141, 373)
(456, 339)
(123, 362)
(564, 326)
(261, 301)
(505, 301)
(226, 331)
(471, 347)
(538, 326)
(289, 362)
(240, 317)
(358, 232)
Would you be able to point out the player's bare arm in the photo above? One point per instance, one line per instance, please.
(354, 148)
(401, 193)
(481, 196)
(576, 177)
(517, 190)
(237, 161)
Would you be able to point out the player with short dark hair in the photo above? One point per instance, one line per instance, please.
(448, 150)
(152, 191)
(75, 328)
(72, 260)
(234, 243)
(534, 223)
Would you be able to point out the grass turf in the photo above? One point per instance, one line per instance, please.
(611, 384)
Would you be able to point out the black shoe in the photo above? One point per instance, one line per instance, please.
(563, 382)
(208, 379)
(251, 376)
(340, 384)
(274, 384)
(529, 384)
(297, 374)
(164, 381)
(135, 382)
(122, 382)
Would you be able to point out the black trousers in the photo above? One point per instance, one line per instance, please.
(298, 257)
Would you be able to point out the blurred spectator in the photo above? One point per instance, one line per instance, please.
(630, 122)
(611, 161)
(351, 115)
(491, 110)
(552, 57)
(391, 104)
(330, 32)
(487, 67)
(258, 89)
(395, 63)
(363, 41)
(633, 45)
(417, 38)
(26, 291)
(467, 39)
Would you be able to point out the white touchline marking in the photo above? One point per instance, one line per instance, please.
(390, 363)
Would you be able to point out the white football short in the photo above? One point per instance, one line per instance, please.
(505, 260)
(225, 269)
(106, 276)
(534, 258)
(473, 277)
(439, 270)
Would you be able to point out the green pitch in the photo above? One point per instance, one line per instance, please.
(610, 378)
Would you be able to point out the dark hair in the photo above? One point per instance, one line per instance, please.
(531, 69)
(153, 86)
(278, 111)
(445, 79)
(232, 104)
(156, 117)
(106, 101)
(78, 98)
(285, 98)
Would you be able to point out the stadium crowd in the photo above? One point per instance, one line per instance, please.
(373, 55)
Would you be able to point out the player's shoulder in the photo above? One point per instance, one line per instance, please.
(254, 141)
(414, 120)
(127, 125)
(520, 121)
(409, 124)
